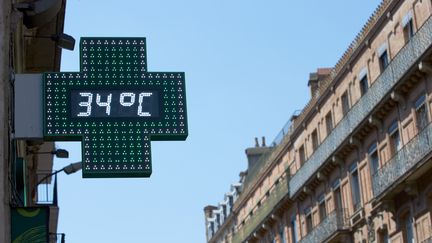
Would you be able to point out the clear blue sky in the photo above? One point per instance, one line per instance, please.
(247, 64)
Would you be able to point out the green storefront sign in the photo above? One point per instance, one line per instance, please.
(115, 107)
(29, 224)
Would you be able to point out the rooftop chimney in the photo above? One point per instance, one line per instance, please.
(313, 83)
(253, 154)
(315, 79)
(208, 211)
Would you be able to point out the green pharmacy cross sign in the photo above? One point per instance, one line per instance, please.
(115, 107)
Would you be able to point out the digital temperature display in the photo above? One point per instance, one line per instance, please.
(114, 104)
(115, 107)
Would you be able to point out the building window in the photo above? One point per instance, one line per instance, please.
(355, 186)
(294, 237)
(212, 229)
(383, 237)
(337, 195)
(322, 207)
(421, 112)
(218, 220)
(272, 237)
(383, 60)
(345, 103)
(408, 26)
(408, 230)
(308, 216)
(329, 122)
(395, 143)
(408, 30)
(373, 158)
(302, 155)
(224, 211)
(364, 85)
(282, 234)
(231, 203)
(314, 140)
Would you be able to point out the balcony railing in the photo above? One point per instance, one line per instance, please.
(335, 221)
(286, 129)
(57, 238)
(46, 189)
(255, 220)
(405, 159)
(264, 160)
(400, 64)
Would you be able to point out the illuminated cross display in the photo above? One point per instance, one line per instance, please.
(115, 107)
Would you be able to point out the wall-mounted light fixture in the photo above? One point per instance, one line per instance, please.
(70, 169)
(59, 153)
(62, 40)
(45, 195)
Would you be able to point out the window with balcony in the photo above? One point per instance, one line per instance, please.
(218, 220)
(302, 155)
(272, 237)
(421, 112)
(364, 85)
(345, 103)
(407, 227)
(212, 229)
(337, 196)
(384, 60)
(308, 217)
(395, 143)
(373, 158)
(281, 232)
(355, 186)
(230, 203)
(383, 237)
(293, 229)
(329, 122)
(408, 26)
(315, 140)
(322, 207)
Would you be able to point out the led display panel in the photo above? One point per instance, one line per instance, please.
(115, 107)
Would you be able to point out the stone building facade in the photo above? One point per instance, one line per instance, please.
(27, 46)
(355, 164)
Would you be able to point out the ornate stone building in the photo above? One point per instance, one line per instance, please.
(355, 165)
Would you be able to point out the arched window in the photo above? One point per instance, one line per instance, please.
(407, 226)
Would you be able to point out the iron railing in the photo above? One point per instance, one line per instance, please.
(286, 129)
(335, 221)
(263, 160)
(382, 86)
(263, 210)
(46, 189)
(57, 238)
(405, 159)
